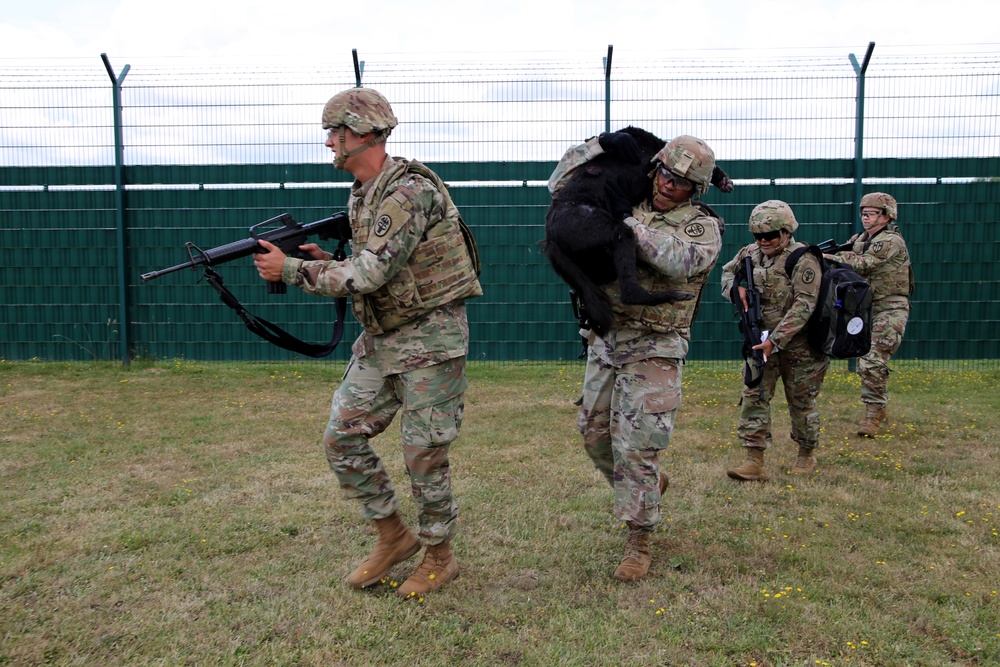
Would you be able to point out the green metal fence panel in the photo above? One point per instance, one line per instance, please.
(951, 229)
(59, 286)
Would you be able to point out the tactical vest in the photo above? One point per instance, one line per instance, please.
(892, 278)
(444, 267)
(667, 317)
(774, 285)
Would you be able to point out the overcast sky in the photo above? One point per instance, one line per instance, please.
(309, 28)
(252, 34)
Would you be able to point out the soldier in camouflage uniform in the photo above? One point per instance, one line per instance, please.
(879, 254)
(413, 265)
(632, 384)
(786, 304)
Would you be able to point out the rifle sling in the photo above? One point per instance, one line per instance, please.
(274, 334)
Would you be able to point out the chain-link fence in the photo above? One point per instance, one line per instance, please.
(210, 147)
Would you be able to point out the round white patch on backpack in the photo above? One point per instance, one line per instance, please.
(855, 325)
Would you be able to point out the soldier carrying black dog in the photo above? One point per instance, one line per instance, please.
(632, 384)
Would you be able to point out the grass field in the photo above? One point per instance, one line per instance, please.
(182, 513)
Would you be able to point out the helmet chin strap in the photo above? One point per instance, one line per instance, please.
(784, 244)
(342, 153)
(668, 204)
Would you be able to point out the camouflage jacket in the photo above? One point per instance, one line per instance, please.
(785, 303)
(677, 249)
(402, 223)
(884, 262)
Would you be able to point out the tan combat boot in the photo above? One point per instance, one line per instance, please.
(395, 544)
(805, 463)
(635, 563)
(869, 426)
(438, 568)
(752, 469)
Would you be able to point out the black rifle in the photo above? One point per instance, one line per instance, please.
(752, 326)
(831, 247)
(288, 237)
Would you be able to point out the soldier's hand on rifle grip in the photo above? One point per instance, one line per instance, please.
(315, 252)
(743, 298)
(269, 264)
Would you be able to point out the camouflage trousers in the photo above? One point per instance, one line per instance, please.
(801, 370)
(626, 418)
(432, 404)
(887, 334)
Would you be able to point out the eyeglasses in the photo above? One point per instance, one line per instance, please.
(671, 177)
(870, 214)
(767, 236)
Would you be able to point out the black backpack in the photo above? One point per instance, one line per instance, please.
(841, 325)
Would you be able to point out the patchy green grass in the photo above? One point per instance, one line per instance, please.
(182, 513)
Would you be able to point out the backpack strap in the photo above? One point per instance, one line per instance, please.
(793, 258)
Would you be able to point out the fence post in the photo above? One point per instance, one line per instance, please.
(859, 133)
(607, 89)
(121, 237)
(359, 68)
(859, 140)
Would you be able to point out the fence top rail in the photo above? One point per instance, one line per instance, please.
(504, 174)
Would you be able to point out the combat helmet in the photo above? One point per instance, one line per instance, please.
(362, 109)
(771, 216)
(690, 158)
(880, 200)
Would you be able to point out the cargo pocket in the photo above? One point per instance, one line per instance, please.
(649, 403)
(434, 403)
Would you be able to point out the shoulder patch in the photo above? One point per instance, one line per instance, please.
(877, 247)
(391, 217)
(808, 276)
(695, 229)
(382, 226)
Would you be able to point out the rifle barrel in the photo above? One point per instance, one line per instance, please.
(163, 272)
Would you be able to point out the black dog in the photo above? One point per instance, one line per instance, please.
(586, 241)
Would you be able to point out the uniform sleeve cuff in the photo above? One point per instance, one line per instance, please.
(290, 270)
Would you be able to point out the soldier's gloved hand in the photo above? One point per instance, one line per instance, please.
(620, 145)
(619, 204)
(721, 180)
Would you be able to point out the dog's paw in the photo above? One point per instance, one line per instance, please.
(673, 296)
(721, 180)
